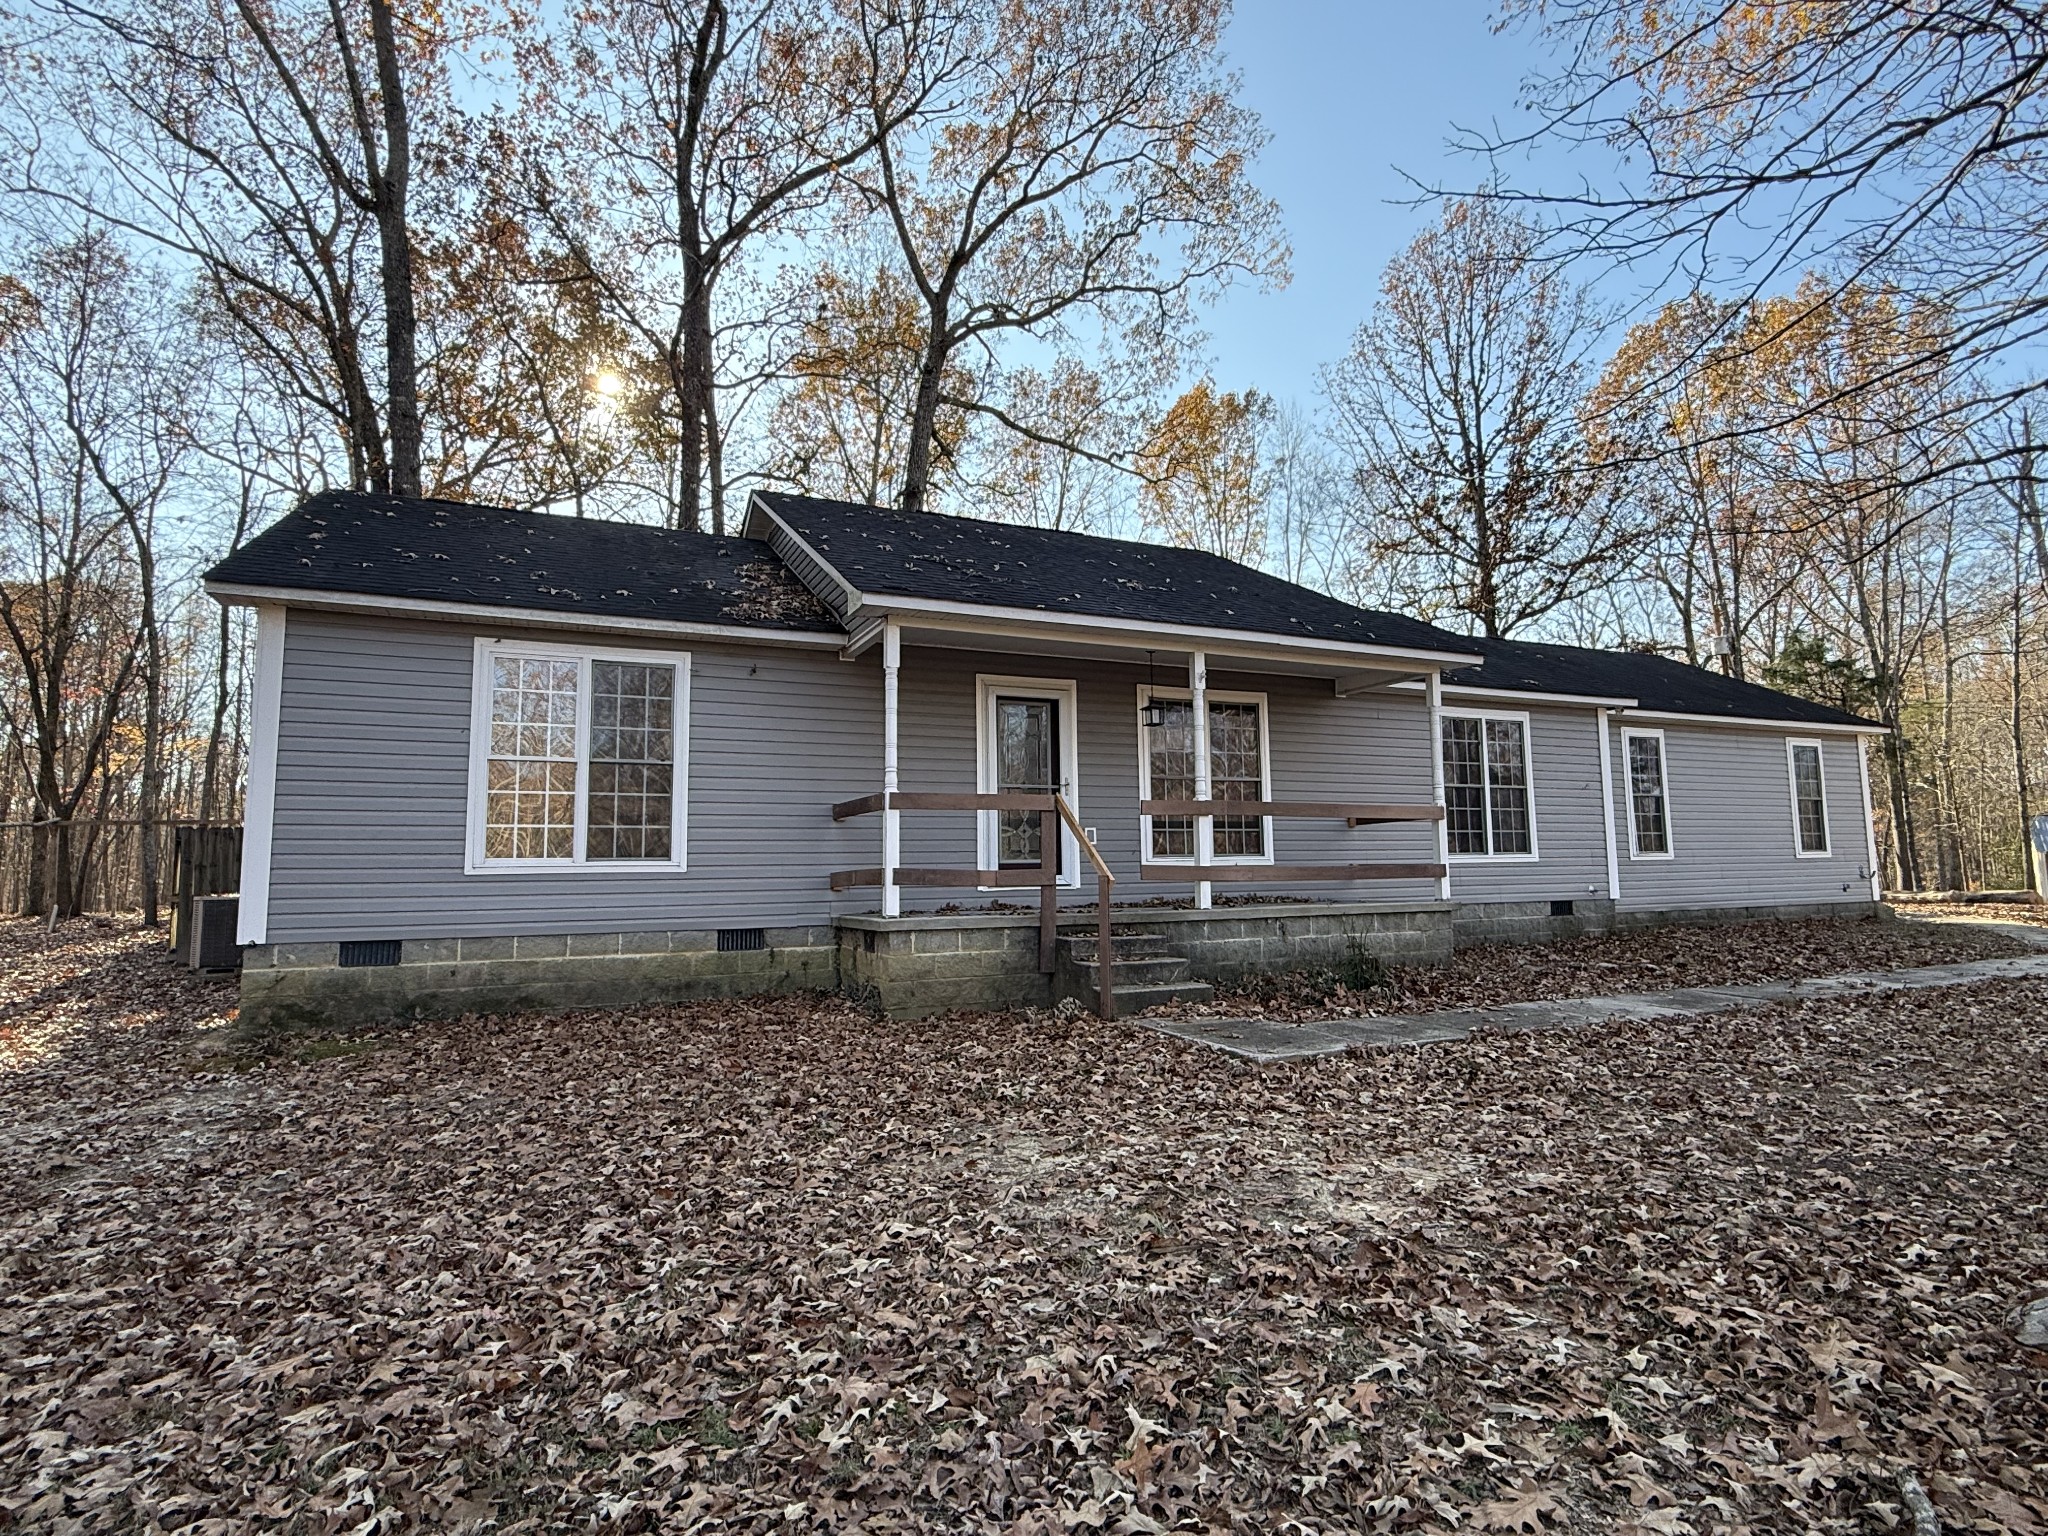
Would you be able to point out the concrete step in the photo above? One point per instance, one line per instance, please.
(1122, 946)
(1130, 1000)
(1153, 970)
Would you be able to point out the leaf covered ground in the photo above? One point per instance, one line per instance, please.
(1656, 960)
(782, 1267)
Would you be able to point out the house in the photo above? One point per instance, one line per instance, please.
(503, 759)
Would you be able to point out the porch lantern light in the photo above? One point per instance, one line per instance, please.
(1153, 714)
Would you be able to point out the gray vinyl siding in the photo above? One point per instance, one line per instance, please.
(1564, 784)
(826, 587)
(373, 784)
(1730, 809)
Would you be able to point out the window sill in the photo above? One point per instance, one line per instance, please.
(574, 866)
(1495, 858)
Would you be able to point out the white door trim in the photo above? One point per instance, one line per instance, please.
(1067, 692)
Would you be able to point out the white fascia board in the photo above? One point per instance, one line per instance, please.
(231, 593)
(1750, 723)
(851, 593)
(985, 619)
(1511, 695)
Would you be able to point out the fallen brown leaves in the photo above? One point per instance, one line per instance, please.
(1655, 960)
(1986, 911)
(779, 1266)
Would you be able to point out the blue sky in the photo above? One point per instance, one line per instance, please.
(1353, 92)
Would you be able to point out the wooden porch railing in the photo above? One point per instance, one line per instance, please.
(1354, 815)
(1052, 810)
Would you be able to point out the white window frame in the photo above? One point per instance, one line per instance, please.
(987, 687)
(490, 650)
(1486, 790)
(1146, 694)
(1628, 789)
(1827, 830)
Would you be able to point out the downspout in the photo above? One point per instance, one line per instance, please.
(1607, 806)
(1869, 821)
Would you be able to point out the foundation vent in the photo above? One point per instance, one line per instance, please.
(369, 952)
(1560, 909)
(742, 938)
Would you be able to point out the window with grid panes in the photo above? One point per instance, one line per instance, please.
(1237, 771)
(1486, 786)
(581, 759)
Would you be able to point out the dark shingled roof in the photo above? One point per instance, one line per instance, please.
(454, 552)
(966, 560)
(1654, 682)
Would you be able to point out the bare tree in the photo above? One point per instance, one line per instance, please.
(1459, 408)
(1073, 165)
(272, 146)
(69, 601)
(694, 133)
(1874, 142)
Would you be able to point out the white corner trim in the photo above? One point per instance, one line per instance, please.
(259, 801)
(1607, 805)
(486, 650)
(1628, 734)
(495, 616)
(1827, 831)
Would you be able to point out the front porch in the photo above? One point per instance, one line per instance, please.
(1134, 766)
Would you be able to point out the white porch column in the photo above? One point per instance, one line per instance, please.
(892, 819)
(1205, 826)
(1607, 806)
(1436, 782)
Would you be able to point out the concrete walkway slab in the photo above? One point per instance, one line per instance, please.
(1268, 1040)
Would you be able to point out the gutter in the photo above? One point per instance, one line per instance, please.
(232, 593)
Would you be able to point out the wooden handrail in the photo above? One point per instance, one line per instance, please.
(912, 800)
(1105, 882)
(1252, 874)
(1305, 809)
(1081, 836)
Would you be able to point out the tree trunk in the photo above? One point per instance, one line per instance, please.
(1903, 840)
(924, 416)
(690, 391)
(395, 248)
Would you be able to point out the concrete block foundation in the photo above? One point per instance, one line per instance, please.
(906, 966)
(288, 985)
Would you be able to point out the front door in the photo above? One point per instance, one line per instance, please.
(1027, 762)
